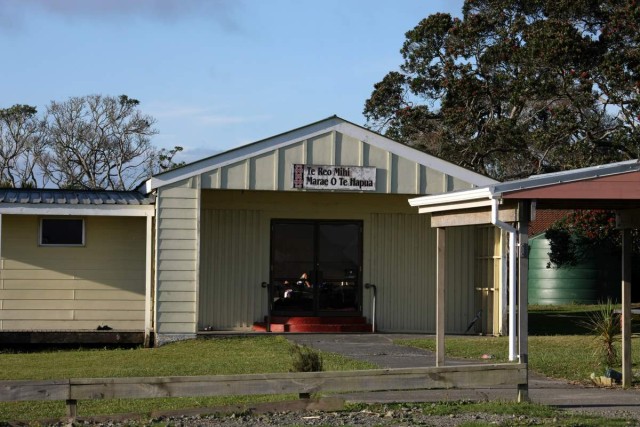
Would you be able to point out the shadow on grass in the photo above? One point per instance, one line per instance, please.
(563, 320)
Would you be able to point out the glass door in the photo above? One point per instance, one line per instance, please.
(316, 267)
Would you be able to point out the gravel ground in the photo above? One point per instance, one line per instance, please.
(405, 417)
(378, 415)
(386, 417)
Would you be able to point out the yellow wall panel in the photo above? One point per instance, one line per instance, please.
(235, 176)
(72, 305)
(55, 283)
(113, 315)
(211, 180)
(348, 150)
(6, 314)
(264, 172)
(61, 325)
(320, 150)
(19, 294)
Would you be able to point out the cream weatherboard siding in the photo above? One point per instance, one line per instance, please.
(177, 237)
(73, 288)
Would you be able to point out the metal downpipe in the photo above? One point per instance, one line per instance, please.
(512, 276)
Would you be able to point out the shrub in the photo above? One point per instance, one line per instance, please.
(305, 359)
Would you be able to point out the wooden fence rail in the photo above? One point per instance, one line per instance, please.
(444, 377)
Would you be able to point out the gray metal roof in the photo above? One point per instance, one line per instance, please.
(74, 197)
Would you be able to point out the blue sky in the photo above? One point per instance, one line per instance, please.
(215, 74)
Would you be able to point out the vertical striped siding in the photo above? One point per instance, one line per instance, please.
(232, 269)
(272, 170)
(487, 272)
(460, 293)
(398, 255)
(177, 257)
(402, 266)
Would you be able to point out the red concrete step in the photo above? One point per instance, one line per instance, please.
(317, 320)
(310, 327)
(319, 324)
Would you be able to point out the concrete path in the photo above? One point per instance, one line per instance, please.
(380, 349)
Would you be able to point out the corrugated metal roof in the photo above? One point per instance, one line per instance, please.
(566, 176)
(534, 181)
(74, 197)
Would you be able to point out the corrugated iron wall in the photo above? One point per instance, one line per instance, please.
(487, 279)
(232, 269)
(402, 265)
(398, 255)
(460, 256)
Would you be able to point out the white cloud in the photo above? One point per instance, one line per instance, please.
(223, 12)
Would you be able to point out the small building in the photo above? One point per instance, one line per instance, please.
(328, 200)
(73, 261)
(316, 212)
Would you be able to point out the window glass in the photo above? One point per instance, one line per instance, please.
(66, 232)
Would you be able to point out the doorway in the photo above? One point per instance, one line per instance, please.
(316, 267)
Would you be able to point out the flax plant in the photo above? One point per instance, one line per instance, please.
(604, 323)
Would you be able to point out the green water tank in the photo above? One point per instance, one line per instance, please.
(549, 285)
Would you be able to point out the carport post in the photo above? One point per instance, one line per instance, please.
(626, 308)
(440, 299)
(523, 293)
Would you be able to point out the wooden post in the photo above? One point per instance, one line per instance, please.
(523, 293)
(72, 409)
(148, 293)
(627, 374)
(440, 295)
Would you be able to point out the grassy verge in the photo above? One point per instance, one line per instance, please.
(193, 357)
(568, 357)
(558, 346)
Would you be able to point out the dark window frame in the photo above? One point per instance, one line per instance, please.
(41, 230)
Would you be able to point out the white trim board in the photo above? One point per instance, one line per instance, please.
(84, 210)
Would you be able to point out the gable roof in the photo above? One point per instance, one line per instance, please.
(333, 123)
(482, 196)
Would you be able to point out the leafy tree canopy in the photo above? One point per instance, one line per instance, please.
(518, 87)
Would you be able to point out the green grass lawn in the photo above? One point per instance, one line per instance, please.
(558, 346)
(185, 358)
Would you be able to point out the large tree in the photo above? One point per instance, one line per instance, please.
(518, 87)
(20, 146)
(97, 142)
(88, 142)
